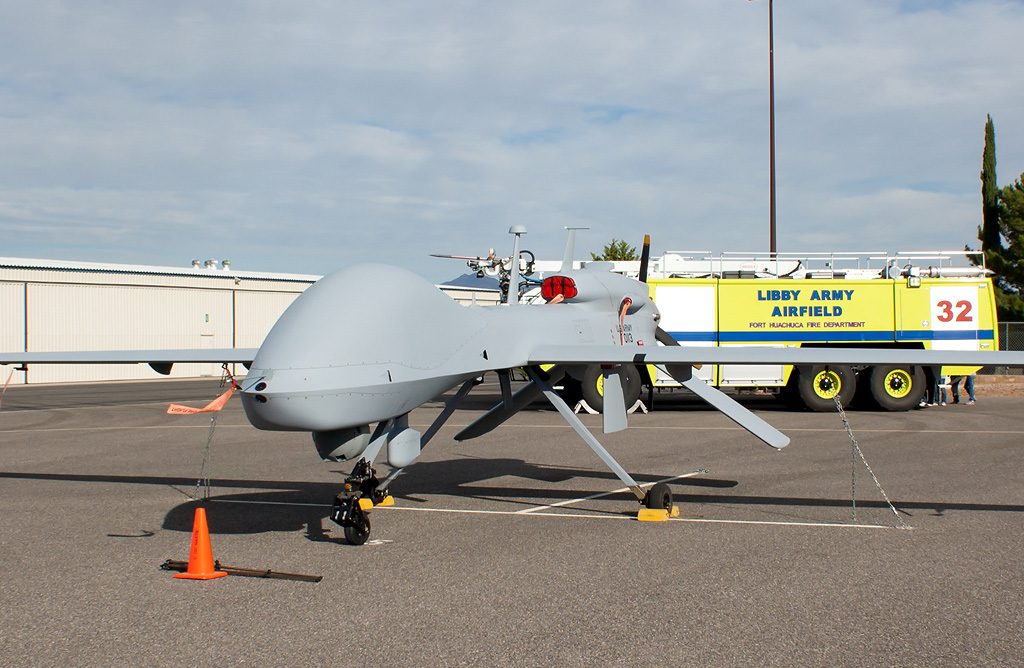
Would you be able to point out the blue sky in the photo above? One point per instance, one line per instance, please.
(304, 137)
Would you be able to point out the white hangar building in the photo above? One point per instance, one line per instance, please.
(50, 305)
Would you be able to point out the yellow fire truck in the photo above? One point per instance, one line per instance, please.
(932, 300)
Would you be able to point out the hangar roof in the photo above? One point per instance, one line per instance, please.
(104, 268)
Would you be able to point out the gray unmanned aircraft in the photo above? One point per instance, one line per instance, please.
(317, 372)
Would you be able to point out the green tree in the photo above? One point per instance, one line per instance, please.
(1002, 212)
(988, 233)
(617, 250)
(1007, 261)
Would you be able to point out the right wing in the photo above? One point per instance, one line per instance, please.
(611, 354)
(678, 361)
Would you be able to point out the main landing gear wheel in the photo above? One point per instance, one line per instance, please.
(659, 497)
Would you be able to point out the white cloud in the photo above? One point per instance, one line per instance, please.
(305, 137)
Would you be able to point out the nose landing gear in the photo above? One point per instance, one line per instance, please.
(352, 507)
(348, 512)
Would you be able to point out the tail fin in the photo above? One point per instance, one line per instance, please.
(570, 249)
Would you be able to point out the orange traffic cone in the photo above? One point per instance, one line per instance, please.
(200, 558)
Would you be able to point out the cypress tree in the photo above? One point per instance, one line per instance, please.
(988, 233)
(1002, 218)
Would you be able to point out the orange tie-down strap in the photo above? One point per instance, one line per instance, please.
(5, 386)
(212, 407)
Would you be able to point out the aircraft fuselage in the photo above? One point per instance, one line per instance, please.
(372, 342)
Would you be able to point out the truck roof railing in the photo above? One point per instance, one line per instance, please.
(850, 265)
(845, 265)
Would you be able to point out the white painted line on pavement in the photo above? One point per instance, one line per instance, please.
(536, 509)
(594, 516)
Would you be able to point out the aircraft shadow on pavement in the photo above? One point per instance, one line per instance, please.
(283, 505)
(679, 400)
(292, 506)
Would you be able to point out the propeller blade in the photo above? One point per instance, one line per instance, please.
(664, 337)
(677, 371)
(680, 372)
(614, 413)
(645, 258)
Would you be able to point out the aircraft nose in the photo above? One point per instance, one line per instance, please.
(316, 399)
(273, 403)
(256, 402)
(318, 369)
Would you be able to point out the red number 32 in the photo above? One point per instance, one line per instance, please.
(947, 311)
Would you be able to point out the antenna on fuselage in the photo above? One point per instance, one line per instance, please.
(513, 276)
(570, 248)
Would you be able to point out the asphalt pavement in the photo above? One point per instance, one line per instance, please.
(515, 548)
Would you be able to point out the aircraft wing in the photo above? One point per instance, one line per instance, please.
(212, 355)
(678, 360)
(591, 354)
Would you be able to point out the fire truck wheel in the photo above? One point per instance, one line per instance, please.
(593, 387)
(897, 388)
(819, 385)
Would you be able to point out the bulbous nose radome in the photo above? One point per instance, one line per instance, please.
(331, 359)
(365, 314)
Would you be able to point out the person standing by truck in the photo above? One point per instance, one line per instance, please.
(969, 386)
(954, 387)
(932, 375)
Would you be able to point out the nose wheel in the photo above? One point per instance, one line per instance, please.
(352, 507)
(353, 519)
